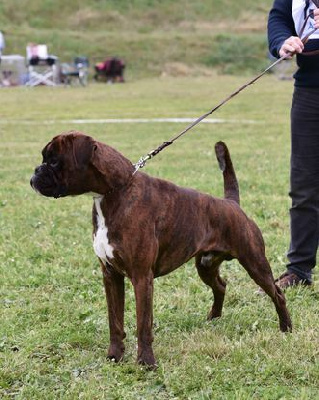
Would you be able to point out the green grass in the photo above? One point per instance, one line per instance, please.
(150, 35)
(134, 12)
(54, 331)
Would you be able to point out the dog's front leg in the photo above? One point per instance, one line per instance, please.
(114, 290)
(143, 289)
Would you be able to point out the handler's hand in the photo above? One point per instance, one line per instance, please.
(316, 17)
(291, 46)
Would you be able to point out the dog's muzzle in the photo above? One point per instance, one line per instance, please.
(45, 182)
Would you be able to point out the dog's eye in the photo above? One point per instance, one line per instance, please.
(54, 162)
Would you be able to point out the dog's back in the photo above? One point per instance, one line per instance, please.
(231, 188)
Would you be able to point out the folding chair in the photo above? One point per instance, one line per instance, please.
(42, 67)
(79, 70)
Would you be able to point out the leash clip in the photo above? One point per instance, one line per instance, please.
(141, 163)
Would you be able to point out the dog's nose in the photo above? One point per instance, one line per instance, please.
(37, 170)
(31, 182)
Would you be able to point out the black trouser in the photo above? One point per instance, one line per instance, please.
(304, 182)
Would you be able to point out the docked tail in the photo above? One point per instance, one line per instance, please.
(231, 188)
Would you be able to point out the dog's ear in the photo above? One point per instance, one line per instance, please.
(83, 149)
(115, 169)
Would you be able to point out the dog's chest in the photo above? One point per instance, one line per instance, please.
(102, 247)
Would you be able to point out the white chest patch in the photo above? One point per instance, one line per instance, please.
(101, 245)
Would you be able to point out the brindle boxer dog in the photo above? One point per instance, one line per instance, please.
(146, 227)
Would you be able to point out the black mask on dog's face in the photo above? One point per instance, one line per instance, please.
(48, 178)
(64, 170)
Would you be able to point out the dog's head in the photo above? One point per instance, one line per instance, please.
(64, 169)
(74, 163)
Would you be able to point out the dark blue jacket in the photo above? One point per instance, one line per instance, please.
(280, 27)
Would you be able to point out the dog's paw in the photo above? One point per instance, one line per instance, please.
(115, 354)
(213, 314)
(147, 359)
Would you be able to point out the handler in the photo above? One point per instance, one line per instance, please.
(289, 21)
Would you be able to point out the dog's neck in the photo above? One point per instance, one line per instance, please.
(119, 187)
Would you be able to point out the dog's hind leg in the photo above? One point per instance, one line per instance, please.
(208, 269)
(260, 271)
(114, 290)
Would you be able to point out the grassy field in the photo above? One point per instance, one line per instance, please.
(54, 331)
(153, 37)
